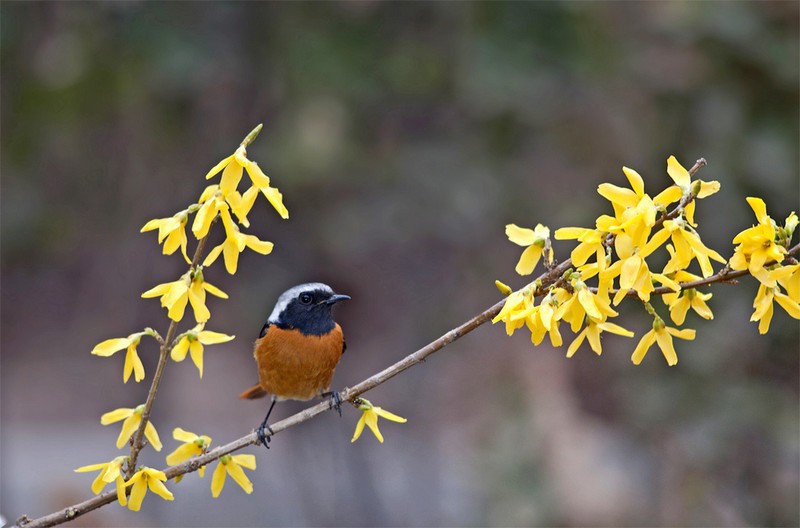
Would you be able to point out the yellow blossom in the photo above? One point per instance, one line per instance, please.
(542, 320)
(213, 201)
(682, 180)
(679, 304)
(132, 362)
(132, 417)
(763, 306)
(634, 211)
(232, 464)
(789, 278)
(234, 243)
(272, 194)
(592, 332)
(190, 288)
(109, 472)
(232, 168)
(144, 479)
(193, 341)
(369, 417)
(756, 245)
(193, 445)
(173, 229)
(591, 243)
(535, 240)
(584, 303)
(632, 268)
(241, 204)
(661, 334)
(688, 246)
(518, 302)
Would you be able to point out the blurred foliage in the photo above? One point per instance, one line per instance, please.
(404, 136)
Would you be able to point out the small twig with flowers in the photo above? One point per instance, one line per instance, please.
(632, 233)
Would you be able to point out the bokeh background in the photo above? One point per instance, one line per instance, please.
(404, 137)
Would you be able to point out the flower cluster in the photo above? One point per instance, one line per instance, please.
(615, 257)
(222, 201)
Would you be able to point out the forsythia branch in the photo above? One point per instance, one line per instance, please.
(137, 443)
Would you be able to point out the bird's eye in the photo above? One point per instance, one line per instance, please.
(305, 298)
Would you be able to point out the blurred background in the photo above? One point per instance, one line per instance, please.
(404, 137)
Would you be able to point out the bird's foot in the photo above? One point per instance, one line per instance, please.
(262, 435)
(335, 401)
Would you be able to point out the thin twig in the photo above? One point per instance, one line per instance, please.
(137, 444)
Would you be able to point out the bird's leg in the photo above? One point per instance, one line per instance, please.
(262, 436)
(335, 401)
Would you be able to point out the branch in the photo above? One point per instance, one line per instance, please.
(348, 394)
(137, 443)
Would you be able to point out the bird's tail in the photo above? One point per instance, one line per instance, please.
(253, 392)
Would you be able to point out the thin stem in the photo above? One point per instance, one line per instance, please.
(166, 346)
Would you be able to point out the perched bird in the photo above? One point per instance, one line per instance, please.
(298, 349)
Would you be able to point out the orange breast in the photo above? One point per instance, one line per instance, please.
(293, 366)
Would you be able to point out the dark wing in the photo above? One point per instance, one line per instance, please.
(344, 344)
(264, 330)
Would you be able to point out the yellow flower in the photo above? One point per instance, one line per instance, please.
(763, 306)
(518, 302)
(634, 211)
(661, 334)
(583, 303)
(273, 195)
(679, 304)
(592, 332)
(212, 201)
(144, 479)
(756, 245)
(173, 229)
(241, 204)
(683, 181)
(369, 418)
(109, 472)
(193, 445)
(542, 320)
(232, 464)
(190, 288)
(535, 239)
(234, 243)
(232, 168)
(688, 246)
(591, 242)
(132, 417)
(789, 278)
(132, 362)
(193, 341)
(632, 268)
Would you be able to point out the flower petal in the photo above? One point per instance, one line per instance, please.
(521, 236)
(115, 415)
(111, 346)
(218, 480)
(237, 474)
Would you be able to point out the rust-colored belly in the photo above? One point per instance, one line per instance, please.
(293, 366)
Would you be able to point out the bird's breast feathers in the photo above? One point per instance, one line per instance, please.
(296, 366)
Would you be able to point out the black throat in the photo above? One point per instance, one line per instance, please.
(314, 320)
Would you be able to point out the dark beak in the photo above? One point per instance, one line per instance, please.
(333, 299)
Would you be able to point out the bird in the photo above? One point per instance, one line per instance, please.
(298, 349)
